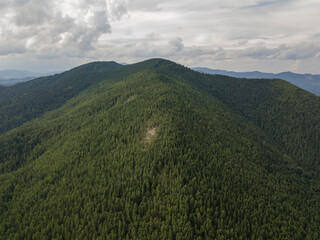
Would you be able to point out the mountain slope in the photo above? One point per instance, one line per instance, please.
(284, 111)
(307, 82)
(25, 101)
(156, 151)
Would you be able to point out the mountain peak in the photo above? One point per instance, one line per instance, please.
(98, 66)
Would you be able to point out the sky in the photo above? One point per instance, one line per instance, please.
(247, 35)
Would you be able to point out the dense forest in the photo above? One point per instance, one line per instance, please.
(154, 150)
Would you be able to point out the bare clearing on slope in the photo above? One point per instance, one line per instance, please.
(150, 133)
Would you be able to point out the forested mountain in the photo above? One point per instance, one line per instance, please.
(155, 150)
(308, 82)
(26, 101)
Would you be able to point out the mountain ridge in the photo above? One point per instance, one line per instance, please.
(47, 92)
(13, 73)
(309, 82)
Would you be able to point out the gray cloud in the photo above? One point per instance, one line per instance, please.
(117, 8)
(152, 36)
(12, 48)
(176, 44)
(264, 3)
(301, 51)
(32, 13)
(260, 51)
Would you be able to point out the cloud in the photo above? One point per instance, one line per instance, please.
(176, 44)
(117, 9)
(12, 48)
(54, 27)
(261, 51)
(148, 49)
(152, 36)
(301, 51)
(210, 32)
(32, 13)
(258, 4)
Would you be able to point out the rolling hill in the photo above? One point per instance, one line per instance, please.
(155, 150)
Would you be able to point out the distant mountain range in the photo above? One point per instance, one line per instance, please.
(307, 82)
(12, 76)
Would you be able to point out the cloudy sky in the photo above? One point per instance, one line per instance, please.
(239, 35)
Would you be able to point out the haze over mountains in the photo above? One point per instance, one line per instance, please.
(11, 76)
(307, 82)
(155, 150)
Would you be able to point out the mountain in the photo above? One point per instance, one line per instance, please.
(11, 77)
(307, 82)
(23, 102)
(12, 73)
(12, 81)
(155, 150)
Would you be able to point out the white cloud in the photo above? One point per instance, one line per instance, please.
(54, 28)
(176, 44)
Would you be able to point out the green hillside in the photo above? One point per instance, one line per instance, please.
(289, 114)
(25, 101)
(155, 150)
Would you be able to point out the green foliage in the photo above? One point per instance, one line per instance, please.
(287, 113)
(214, 169)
